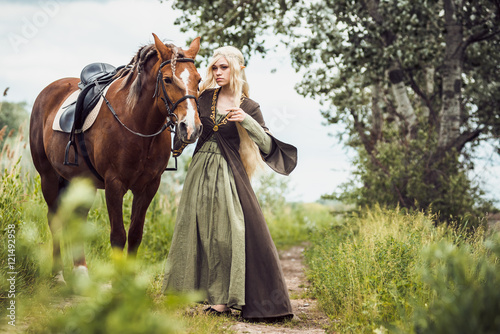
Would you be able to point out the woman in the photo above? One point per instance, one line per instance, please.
(221, 244)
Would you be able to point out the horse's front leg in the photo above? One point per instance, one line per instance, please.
(140, 205)
(114, 191)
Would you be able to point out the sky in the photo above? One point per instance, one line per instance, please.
(45, 40)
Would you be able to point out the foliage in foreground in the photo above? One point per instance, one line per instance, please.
(388, 271)
(119, 290)
(465, 287)
(114, 300)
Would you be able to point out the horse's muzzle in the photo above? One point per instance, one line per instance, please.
(187, 134)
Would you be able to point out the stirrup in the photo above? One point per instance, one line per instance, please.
(66, 154)
(172, 168)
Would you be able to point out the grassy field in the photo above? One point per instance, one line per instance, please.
(377, 271)
(388, 271)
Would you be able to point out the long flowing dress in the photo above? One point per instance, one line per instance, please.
(221, 244)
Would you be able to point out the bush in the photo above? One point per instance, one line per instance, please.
(115, 300)
(465, 289)
(369, 274)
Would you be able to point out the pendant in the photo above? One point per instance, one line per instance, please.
(216, 128)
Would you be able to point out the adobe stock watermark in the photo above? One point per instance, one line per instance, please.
(280, 119)
(11, 274)
(31, 26)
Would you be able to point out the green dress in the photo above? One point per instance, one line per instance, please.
(208, 245)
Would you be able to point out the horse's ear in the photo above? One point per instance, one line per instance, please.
(194, 47)
(164, 53)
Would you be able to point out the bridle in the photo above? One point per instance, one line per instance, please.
(166, 99)
(171, 106)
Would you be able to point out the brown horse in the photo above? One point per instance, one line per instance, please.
(128, 151)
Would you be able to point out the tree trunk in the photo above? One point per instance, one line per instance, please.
(429, 89)
(403, 104)
(396, 75)
(452, 82)
(377, 117)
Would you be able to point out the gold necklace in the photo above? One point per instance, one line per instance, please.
(214, 107)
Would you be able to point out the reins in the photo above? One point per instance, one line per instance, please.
(166, 100)
(171, 106)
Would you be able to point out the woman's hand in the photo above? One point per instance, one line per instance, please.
(236, 114)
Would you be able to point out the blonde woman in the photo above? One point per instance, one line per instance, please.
(221, 244)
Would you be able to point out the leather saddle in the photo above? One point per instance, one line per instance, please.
(93, 79)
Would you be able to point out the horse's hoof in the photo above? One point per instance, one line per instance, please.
(58, 279)
(81, 272)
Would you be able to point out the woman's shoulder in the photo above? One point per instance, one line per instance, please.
(207, 93)
(249, 105)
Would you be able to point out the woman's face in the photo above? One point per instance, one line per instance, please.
(221, 71)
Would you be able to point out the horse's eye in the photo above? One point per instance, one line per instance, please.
(167, 80)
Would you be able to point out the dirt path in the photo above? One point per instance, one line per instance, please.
(308, 319)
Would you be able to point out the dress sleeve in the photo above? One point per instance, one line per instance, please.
(282, 158)
(257, 134)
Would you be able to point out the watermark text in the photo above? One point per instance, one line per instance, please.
(11, 274)
(31, 26)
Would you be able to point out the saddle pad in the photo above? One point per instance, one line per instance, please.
(72, 99)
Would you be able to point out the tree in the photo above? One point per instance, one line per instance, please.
(415, 83)
(13, 115)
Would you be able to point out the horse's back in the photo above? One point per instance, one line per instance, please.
(51, 97)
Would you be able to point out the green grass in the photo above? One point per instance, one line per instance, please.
(293, 223)
(385, 270)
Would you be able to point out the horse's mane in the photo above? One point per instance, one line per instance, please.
(136, 66)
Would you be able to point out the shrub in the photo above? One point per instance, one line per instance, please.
(123, 307)
(465, 289)
(376, 271)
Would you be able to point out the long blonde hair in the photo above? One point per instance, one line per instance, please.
(249, 151)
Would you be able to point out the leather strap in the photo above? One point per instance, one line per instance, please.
(85, 154)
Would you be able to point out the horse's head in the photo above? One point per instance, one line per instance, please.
(177, 86)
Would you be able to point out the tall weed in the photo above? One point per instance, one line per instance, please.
(465, 289)
(20, 198)
(368, 273)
